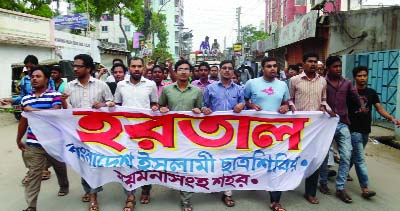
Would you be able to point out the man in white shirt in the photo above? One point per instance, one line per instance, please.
(137, 92)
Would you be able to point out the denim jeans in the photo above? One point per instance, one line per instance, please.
(358, 141)
(343, 140)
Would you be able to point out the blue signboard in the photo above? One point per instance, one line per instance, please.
(71, 21)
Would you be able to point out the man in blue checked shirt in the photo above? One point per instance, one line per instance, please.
(224, 95)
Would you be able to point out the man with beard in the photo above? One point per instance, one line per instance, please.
(35, 156)
(267, 93)
(204, 71)
(182, 96)
(224, 95)
(308, 93)
(214, 73)
(87, 92)
(137, 92)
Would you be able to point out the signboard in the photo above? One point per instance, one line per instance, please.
(137, 37)
(22, 28)
(299, 29)
(70, 45)
(237, 49)
(75, 21)
(253, 150)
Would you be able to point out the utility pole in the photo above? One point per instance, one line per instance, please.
(238, 21)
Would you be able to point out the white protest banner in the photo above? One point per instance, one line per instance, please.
(253, 150)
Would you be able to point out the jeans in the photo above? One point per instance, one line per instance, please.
(275, 196)
(312, 184)
(359, 141)
(88, 189)
(343, 140)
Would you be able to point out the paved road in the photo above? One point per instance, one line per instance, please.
(383, 163)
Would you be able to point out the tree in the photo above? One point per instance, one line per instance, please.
(131, 9)
(251, 34)
(34, 7)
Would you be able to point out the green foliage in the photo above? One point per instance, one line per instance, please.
(158, 26)
(251, 34)
(131, 9)
(34, 7)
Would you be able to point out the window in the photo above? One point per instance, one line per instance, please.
(104, 28)
(300, 2)
(127, 28)
(103, 40)
(121, 40)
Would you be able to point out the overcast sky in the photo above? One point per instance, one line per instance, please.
(217, 18)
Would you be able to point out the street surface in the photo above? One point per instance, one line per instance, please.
(383, 164)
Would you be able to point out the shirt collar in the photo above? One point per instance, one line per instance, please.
(91, 80)
(142, 80)
(303, 75)
(231, 84)
(188, 87)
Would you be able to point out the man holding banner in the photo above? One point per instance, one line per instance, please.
(339, 91)
(87, 92)
(308, 93)
(34, 154)
(224, 95)
(137, 92)
(182, 96)
(268, 94)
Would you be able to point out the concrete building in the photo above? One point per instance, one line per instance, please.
(20, 35)
(174, 11)
(280, 13)
(108, 29)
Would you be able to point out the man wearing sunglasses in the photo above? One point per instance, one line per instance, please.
(268, 94)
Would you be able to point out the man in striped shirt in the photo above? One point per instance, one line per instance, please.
(35, 156)
(86, 92)
(308, 93)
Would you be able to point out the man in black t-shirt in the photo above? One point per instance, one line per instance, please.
(361, 126)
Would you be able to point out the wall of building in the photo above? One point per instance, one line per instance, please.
(365, 30)
(174, 12)
(17, 54)
(114, 32)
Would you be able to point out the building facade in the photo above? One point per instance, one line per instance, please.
(174, 11)
(280, 13)
(108, 29)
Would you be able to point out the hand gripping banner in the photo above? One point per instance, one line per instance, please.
(252, 150)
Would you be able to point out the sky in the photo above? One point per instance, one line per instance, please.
(217, 18)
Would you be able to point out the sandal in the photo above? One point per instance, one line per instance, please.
(30, 209)
(324, 189)
(145, 197)
(311, 199)
(94, 206)
(349, 178)
(368, 194)
(277, 207)
(228, 201)
(341, 194)
(187, 206)
(85, 198)
(129, 205)
(62, 192)
(46, 175)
